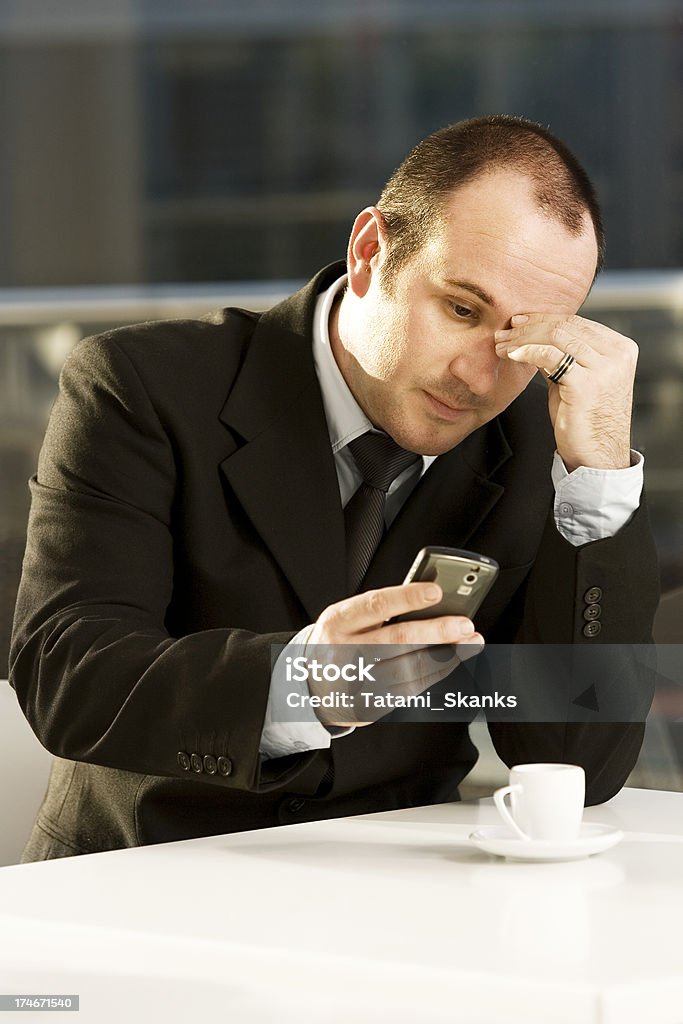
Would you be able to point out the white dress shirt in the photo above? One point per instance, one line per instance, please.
(590, 504)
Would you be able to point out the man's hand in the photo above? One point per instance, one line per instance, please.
(362, 621)
(590, 407)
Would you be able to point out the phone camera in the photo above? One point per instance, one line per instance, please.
(470, 578)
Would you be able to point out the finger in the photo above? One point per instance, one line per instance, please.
(582, 324)
(419, 686)
(586, 335)
(437, 668)
(411, 687)
(405, 668)
(558, 342)
(445, 629)
(470, 647)
(370, 610)
(411, 664)
(548, 358)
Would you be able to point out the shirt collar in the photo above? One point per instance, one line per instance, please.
(345, 418)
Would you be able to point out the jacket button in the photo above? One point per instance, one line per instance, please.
(296, 804)
(592, 629)
(210, 764)
(224, 765)
(592, 595)
(592, 611)
(184, 760)
(196, 763)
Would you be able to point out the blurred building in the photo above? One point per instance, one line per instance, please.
(156, 140)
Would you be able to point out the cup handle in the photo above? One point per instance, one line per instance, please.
(499, 797)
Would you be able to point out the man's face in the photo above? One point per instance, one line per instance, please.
(418, 352)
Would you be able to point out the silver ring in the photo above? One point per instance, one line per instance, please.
(565, 364)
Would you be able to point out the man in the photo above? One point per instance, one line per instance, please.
(189, 510)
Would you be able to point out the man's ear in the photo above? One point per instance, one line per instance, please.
(366, 249)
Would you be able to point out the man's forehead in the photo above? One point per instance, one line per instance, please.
(528, 258)
(509, 198)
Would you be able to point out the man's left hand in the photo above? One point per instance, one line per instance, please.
(590, 406)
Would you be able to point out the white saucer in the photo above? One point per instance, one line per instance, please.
(592, 839)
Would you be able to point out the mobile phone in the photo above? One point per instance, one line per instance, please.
(465, 578)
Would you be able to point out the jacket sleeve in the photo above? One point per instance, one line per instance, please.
(620, 576)
(97, 674)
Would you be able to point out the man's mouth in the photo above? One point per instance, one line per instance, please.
(445, 410)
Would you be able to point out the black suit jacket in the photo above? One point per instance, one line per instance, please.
(186, 515)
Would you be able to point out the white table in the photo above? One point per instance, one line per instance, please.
(387, 917)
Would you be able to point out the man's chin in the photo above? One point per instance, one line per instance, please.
(432, 440)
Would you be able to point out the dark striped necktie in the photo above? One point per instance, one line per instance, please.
(380, 460)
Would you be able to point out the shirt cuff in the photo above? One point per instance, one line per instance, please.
(278, 738)
(592, 504)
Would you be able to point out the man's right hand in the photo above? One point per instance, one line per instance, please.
(364, 621)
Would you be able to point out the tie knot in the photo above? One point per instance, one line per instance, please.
(380, 459)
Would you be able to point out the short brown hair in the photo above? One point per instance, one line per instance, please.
(414, 197)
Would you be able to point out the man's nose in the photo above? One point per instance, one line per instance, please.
(477, 365)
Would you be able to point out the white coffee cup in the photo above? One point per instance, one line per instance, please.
(546, 801)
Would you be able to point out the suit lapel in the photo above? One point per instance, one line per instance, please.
(284, 475)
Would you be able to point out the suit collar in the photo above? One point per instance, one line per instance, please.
(284, 476)
(278, 364)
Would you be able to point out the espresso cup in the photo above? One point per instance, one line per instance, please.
(546, 801)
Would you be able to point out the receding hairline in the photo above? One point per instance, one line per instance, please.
(581, 224)
(418, 191)
(440, 224)
(540, 186)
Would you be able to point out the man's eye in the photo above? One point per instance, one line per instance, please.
(462, 311)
